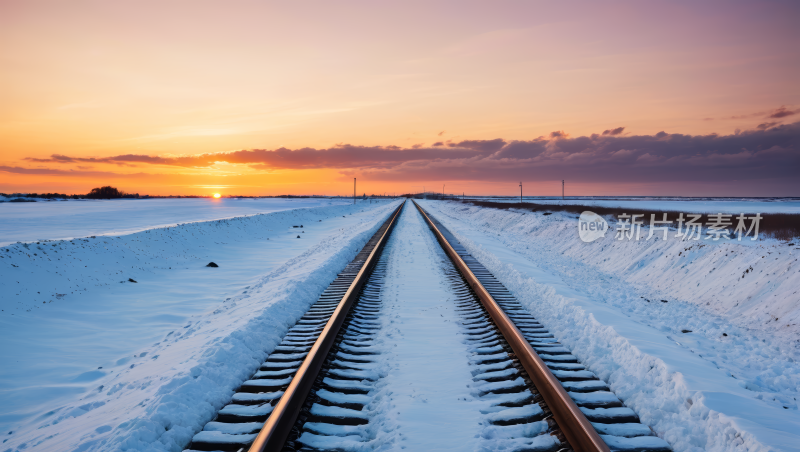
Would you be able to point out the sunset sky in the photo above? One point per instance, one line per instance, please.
(264, 98)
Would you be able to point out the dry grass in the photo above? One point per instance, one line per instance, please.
(781, 226)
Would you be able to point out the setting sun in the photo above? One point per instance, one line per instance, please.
(217, 195)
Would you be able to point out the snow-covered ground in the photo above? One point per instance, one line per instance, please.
(695, 205)
(427, 396)
(700, 339)
(64, 220)
(93, 361)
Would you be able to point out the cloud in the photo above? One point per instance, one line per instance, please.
(480, 145)
(69, 173)
(18, 170)
(750, 115)
(55, 158)
(441, 133)
(340, 156)
(770, 151)
(777, 113)
(613, 132)
(766, 125)
(756, 155)
(781, 113)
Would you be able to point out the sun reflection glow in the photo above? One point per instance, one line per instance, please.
(217, 195)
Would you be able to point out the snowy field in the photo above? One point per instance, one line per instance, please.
(701, 340)
(695, 205)
(94, 361)
(64, 220)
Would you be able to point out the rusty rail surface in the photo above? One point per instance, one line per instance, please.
(279, 424)
(576, 428)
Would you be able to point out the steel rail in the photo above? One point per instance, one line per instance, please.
(576, 428)
(279, 424)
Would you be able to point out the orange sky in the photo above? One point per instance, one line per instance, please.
(100, 79)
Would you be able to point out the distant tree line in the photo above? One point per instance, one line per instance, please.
(106, 192)
(109, 192)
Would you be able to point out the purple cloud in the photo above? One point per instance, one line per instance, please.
(766, 125)
(768, 152)
(613, 132)
(781, 113)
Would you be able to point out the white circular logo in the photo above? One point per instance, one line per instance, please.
(591, 226)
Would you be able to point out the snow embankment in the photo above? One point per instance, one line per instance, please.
(168, 390)
(705, 351)
(755, 284)
(64, 220)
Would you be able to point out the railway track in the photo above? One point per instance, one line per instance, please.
(325, 386)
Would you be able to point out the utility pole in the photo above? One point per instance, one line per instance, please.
(562, 189)
(520, 192)
(354, 190)
(442, 191)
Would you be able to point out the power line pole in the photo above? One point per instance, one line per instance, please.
(562, 189)
(520, 192)
(354, 190)
(442, 191)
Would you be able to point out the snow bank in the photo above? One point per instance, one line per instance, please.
(159, 396)
(709, 368)
(64, 220)
(754, 284)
